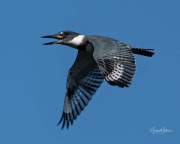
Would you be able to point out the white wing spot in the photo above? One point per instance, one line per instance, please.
(117, 72)
(115, 57)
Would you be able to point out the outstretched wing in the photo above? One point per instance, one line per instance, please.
(84, 79)
(116, 62)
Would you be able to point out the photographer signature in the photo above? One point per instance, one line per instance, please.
(160, 131)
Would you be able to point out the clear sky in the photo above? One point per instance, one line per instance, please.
(33, 77)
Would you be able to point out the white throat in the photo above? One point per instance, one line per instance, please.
(78, 40)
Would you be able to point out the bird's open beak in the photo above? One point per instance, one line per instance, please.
(56, 36)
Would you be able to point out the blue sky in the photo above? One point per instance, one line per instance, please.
(33, 77)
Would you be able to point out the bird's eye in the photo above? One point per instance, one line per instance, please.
(61, 36)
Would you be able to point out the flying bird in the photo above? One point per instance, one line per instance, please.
(99, 58)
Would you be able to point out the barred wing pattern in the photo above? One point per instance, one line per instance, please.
(80, 97)
(118, 66)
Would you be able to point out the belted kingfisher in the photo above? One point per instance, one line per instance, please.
(98, 58)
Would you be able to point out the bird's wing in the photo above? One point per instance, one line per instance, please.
(116, 62)
(84, 79)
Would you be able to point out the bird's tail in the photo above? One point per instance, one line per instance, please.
(144, 52)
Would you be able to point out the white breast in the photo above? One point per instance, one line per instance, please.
(78, 40)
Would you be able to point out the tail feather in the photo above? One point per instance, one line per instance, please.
(144, 52)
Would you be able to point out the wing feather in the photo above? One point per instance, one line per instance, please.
(117, 63)
(80, 90)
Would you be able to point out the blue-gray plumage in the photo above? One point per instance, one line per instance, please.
(98, 58)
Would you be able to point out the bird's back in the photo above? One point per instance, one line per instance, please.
(103, 45)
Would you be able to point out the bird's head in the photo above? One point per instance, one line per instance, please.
(69, 38)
